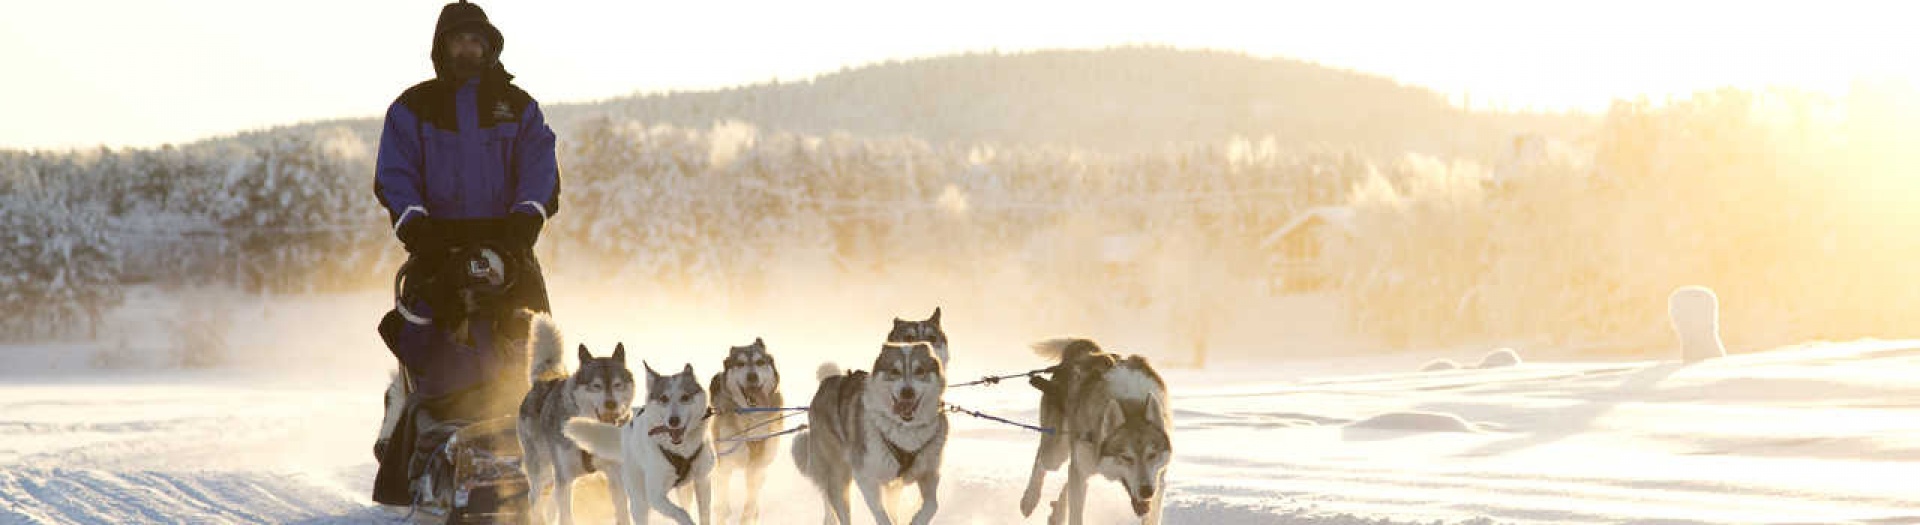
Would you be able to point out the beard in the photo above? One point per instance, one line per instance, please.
(466, 66)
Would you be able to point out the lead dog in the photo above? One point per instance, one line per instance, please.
(1110, 417)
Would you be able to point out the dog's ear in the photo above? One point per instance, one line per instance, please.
(926, 347)
(897, 322)
(1154, 412)
(585, 356)
(620, 353)
(1114, 416)
(651, 375)
(886, 351)
(758, 343)
(936, 316)
(688, 370)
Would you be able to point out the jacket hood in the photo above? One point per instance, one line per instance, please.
(465, 16)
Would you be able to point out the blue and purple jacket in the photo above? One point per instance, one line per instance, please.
(472, 150)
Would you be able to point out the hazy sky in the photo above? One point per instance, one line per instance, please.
(140, 73)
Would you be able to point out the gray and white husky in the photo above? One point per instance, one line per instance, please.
(664, 446)
(923, 331)
(602, 387)
(879, 430)
(749, 379)
(1110, 417)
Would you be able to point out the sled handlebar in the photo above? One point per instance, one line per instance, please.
(459, 232)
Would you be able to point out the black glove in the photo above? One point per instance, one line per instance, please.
(421, 235)
(524, 228)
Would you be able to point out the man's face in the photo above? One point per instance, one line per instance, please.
(466, 53)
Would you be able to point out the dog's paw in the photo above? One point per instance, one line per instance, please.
(1058, 515)
(1030, 500)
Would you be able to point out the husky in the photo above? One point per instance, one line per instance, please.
(748, 379)
(602, 387)
(1109, 415)
(394, 400)
(664, 446)
(927, 331)
(880, 430)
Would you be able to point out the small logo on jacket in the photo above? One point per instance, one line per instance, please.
(501, 112)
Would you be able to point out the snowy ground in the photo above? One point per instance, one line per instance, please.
(1813, 434)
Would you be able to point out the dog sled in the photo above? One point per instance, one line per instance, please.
(450, 453)
(472, 476)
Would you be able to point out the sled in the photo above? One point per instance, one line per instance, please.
(475, 478)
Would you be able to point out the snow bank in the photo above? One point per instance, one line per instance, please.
(1695, 312)
(1416, 422)
(1500, 357)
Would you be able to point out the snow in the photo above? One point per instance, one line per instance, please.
(1416, 422)
(1695, 312)
(1822, 432)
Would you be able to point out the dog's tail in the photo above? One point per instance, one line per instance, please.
(600, 439)
(802, 442)
(544, 349)
(802, 459)
(1064, 348)
(825, 371)
(394, 401)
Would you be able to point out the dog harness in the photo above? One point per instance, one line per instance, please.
(903, 457)
(681, 464)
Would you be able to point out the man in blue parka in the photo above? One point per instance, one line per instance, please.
(467, 144)
(465, 158)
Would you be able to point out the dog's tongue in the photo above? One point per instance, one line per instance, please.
(1141, 506)
(672, 433)
(608, 417)
(904, 408)
(754, 396)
